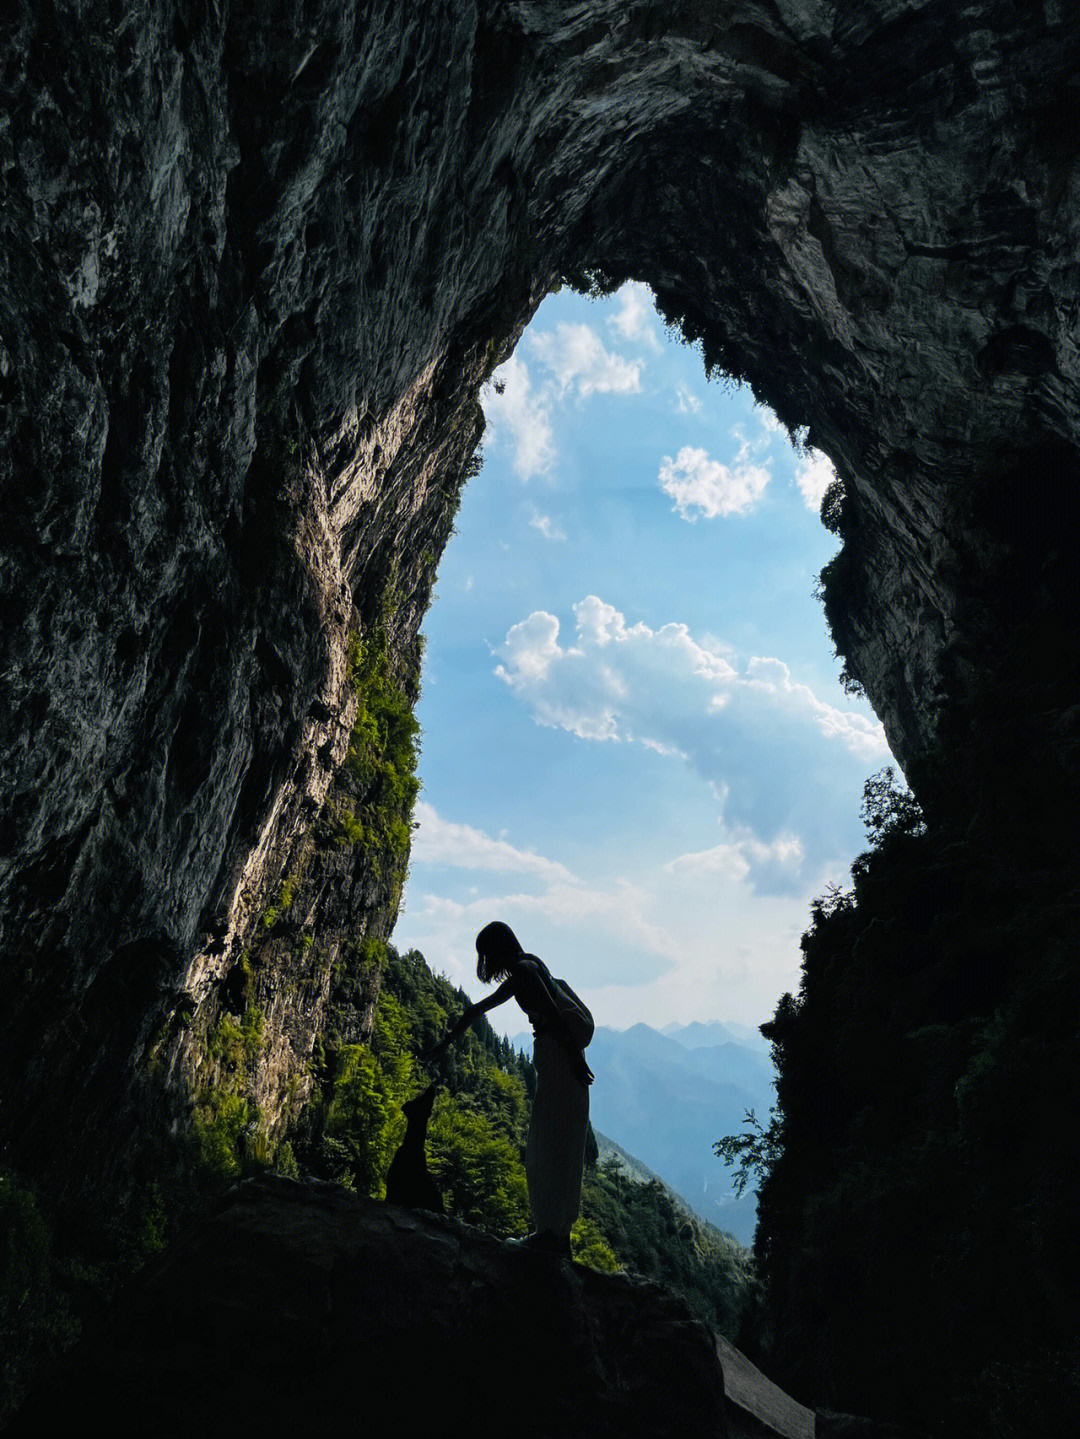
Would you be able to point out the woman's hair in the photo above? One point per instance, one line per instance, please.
(496, 946)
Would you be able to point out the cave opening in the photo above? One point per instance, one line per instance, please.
(637, 748)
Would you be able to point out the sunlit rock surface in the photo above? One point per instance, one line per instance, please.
(255, 261)
(757, 1407)
(300, 1309)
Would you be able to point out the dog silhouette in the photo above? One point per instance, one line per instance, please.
(408, 1182)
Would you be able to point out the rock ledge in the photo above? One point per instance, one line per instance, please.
(295, 1307)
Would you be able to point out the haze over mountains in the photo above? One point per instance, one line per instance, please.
(699, 1035)
(666, 1097)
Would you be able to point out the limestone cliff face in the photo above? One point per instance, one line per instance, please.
(256, 261)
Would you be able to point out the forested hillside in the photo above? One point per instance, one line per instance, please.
(348, 1134)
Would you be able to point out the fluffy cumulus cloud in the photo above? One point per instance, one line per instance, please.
(813, 475)
(739, 855)
(576, 358)
(512, 408)
(518, 410)
(700, 485)
(635, 319)
(750, 730)
(860, 734)
(609, 684)
(773, 867)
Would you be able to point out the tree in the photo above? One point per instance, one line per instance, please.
(755, 1152)
(478, 1169)
(889, 808)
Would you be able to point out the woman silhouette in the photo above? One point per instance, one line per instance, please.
(555, 1151)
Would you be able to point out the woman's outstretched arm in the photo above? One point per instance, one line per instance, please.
(499, 996)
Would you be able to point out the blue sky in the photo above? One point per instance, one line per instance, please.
(636, 750)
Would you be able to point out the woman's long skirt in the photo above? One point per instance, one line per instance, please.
(555, 1151)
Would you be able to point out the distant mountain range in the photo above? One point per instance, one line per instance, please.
(665, 1098)
(697, 1035)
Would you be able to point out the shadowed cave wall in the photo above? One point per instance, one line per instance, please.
(257, 261)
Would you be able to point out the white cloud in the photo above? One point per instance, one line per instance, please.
(520, 411)
(814, 474)
(697, 483)
(610, 685)
(510, 404)
(531, 646)
(440, 841)
(620, 908)
(740, 856)
(547, 526)
(613, 916)
(576, 357)
(862, 736)
(634, 317)
(668, 942)
(757, 444)
(687, 403)
(752, 732)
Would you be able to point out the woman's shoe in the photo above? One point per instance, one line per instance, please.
(549, 1243)
(559, 1244)
(544, 1242)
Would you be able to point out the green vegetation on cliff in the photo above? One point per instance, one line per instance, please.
(228, 1133)
(354, 1123)
(382, 755)
(359, 1087)
(654, 1236)
(918, 1255)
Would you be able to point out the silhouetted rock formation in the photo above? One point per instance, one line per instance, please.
(850, 1426)
(299, 1309)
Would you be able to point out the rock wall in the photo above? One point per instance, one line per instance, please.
(256, 261)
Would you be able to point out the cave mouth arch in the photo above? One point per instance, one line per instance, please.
(259, 272)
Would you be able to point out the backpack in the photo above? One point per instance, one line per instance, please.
(575, 1014)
